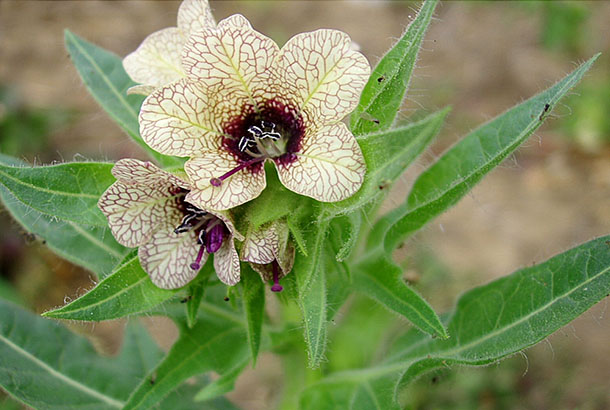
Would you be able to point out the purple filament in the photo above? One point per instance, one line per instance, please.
(218, 181)
(197, 264)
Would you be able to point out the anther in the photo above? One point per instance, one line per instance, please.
(185, 224)
(197, 264)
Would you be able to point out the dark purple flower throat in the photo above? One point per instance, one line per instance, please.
(275, 131)
(210, 229)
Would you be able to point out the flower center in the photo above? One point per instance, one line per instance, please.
(274, 132)
(210, 229)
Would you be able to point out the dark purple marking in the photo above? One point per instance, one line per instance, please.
(276, 119)
(211, 230)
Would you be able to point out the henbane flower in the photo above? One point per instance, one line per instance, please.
(270, 252)
(245, 102)
(156, 62)
(146, 207)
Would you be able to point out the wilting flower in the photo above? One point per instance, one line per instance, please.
(156, 62)
(270, 252)
(146, 207)
(245, 101)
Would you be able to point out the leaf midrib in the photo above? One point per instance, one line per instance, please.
(364, 374)
(47, 190)
(74, 383)
(188, 359)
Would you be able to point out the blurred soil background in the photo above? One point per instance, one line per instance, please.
(479, 57)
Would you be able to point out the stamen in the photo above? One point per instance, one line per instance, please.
(273, 135)
(218, 181)
(194, 210)
(245, 142)
(201, 237)
(255, 131)
(185, 224)
(197, 264)
(276, 281)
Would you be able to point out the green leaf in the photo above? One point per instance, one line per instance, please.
(517, 311)
(385, 90)
(293, 220)
(211, 345)
(380, 279)
(312, 302)
(491, 322)
(254, 307)
(338, 280)
(388, 154)
(346, 230)
(224, 384)
(359, 394)
(67, 191)
(311, 288)
(103, 74)
(196, 290)
(47, 367)
(184, 398)
(465, 164)
(91, 247)
(127, 291)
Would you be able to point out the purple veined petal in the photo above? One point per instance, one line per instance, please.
(232, 58)
(226, 263)
(167, 257)
(329, 168)
(195, 15)
(133, 171)
(261, 245)
(239, 188)
(322, 75)
(157, 61)
(134, 212)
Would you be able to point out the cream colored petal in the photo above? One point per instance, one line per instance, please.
(179, 119)
(134, 212)
(195, 15)
(234, 59)
(322, 74)
(167, 257)
(330, 166)
(157, 61)
(237, 189)
(236, 20)
(261, 245)
(141, 89)
(286, 263)
(226, 263)
(268, 244)
(133, 171)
